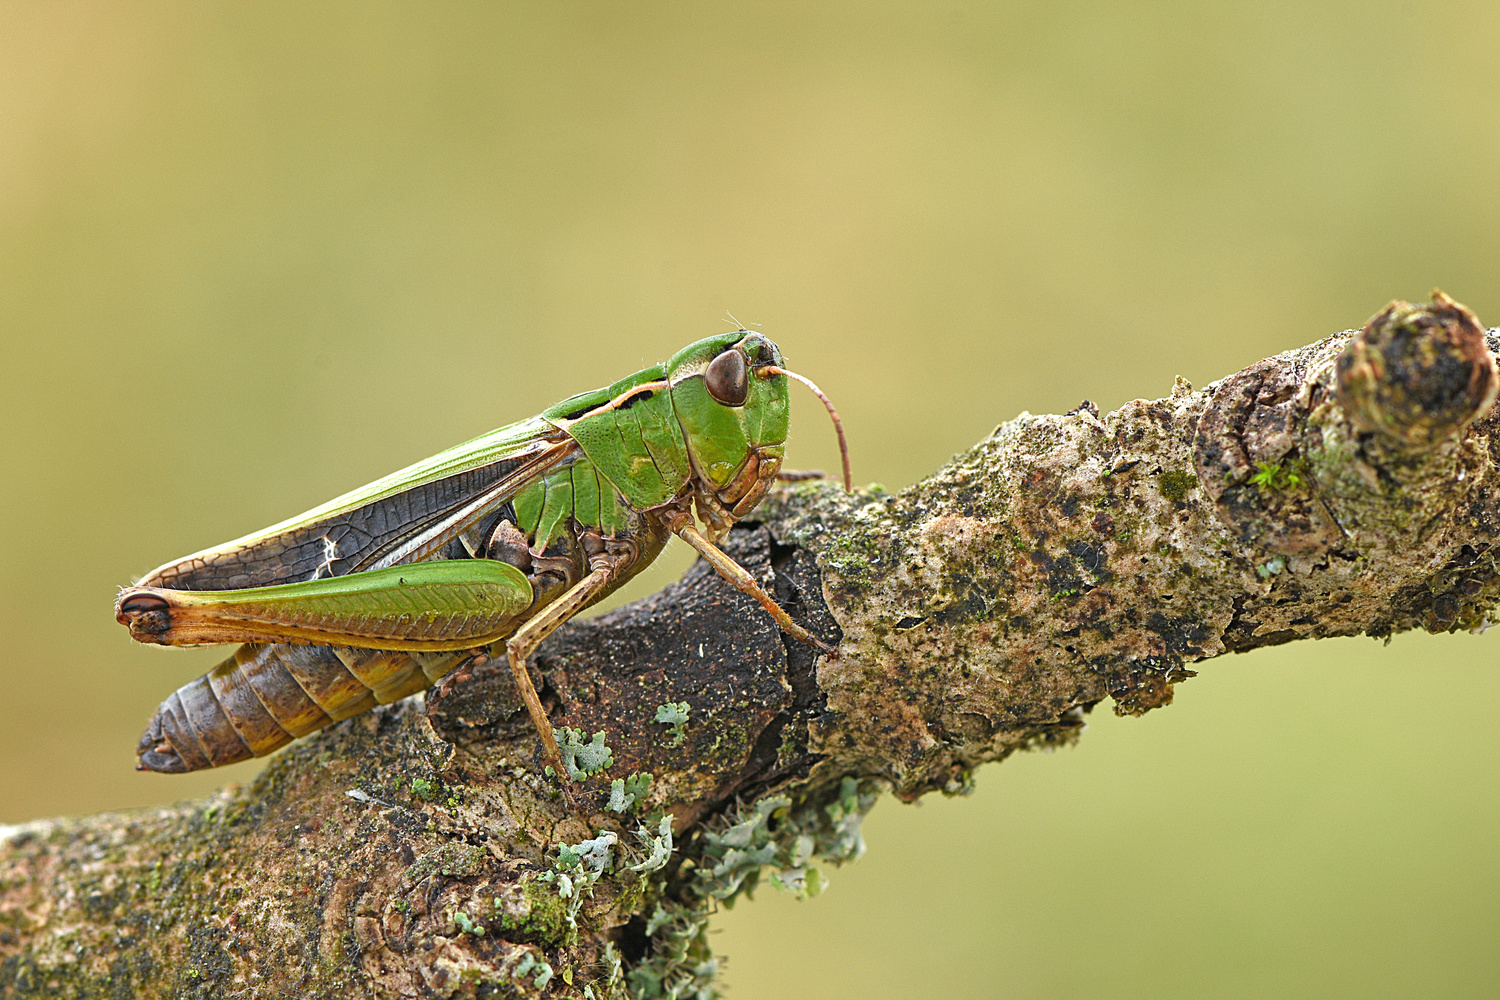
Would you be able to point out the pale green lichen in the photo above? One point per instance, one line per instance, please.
(770, 833)
(577, 869)
(464, 923)
(674, 714)
(624, 793)
(583, 760)
(773, 834)
(1270, 567)
(681, 963)
(658, 846)
(613, 973)
(537, 968)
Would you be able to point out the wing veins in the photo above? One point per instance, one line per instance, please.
(386, 530)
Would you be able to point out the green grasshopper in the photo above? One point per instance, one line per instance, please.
(492, 544)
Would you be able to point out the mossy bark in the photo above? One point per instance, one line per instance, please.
(1346, 488)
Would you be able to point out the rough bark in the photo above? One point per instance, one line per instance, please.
(1345, 488)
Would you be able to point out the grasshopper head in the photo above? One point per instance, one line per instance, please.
(730, 396)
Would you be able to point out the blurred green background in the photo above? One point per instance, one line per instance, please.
(255, 255)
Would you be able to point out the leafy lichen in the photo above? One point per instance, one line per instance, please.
(658, 846)
(681, 963)
(674, 714)
(467, 924)
(578, 869)
(775, 834)
(537, 968)
(624, 793)
(583, 760)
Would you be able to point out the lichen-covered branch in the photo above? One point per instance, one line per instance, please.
(1345, 488)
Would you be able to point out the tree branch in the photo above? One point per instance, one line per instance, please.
(1348, 487)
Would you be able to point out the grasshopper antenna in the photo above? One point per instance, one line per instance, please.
(838, 425)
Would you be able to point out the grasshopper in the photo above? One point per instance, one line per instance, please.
(483, 548)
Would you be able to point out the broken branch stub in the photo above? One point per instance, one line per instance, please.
(1418, 374)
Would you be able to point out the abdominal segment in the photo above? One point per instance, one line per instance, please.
(268, 694)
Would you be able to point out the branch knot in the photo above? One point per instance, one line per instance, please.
(1418, 373)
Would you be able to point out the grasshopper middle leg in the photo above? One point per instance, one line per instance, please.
(529, 636)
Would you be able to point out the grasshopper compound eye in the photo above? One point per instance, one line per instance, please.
(727, 379)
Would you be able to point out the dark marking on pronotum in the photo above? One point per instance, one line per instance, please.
(639, 397)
